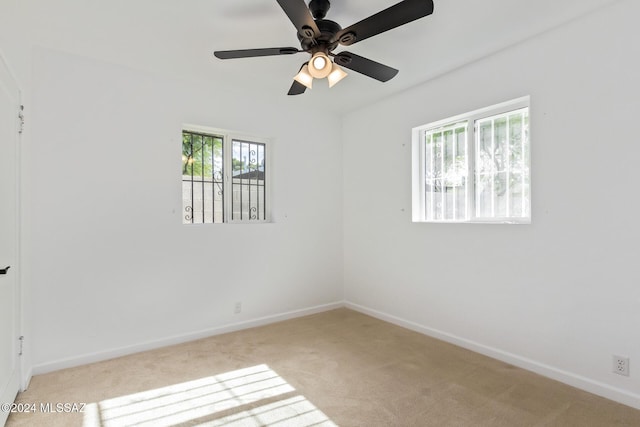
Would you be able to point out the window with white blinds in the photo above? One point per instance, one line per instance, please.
(446, 173)
(502, 166)
(474, 167)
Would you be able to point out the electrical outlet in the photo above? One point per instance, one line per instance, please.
(621, 365)
(238, 308)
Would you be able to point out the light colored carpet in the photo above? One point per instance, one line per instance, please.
(335, 368)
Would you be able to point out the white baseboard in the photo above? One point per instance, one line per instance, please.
(26, 379)
(178, 339)
(607, 391)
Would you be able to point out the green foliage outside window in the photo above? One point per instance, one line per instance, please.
(201, 155)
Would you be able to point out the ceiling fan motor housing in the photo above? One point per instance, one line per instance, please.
(328, 29)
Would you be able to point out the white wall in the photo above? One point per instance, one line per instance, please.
(559, 296)
(110, 264)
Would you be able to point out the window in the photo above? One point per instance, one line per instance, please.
(248, 180)
(474, 167)
(224, 177)
(202, 178)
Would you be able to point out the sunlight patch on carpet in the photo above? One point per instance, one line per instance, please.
(255, 396)
(296, 411)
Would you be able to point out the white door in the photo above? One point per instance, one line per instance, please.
(9, 292)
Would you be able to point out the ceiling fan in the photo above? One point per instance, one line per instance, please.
(320, 37)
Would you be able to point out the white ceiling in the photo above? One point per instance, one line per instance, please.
(177, 38)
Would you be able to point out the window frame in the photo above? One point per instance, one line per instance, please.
(419, 168)
(228, 137)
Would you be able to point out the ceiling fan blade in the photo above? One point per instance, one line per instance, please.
(365, 66)
(252, 53)
(399, 14)
(298, 12)
(297, 88)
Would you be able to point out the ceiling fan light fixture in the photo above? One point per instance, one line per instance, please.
(320, 65)
(319, 62)
(336, 75)
(304, 77)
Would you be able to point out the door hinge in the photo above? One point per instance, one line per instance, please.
(21, 119)
(21, 339)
